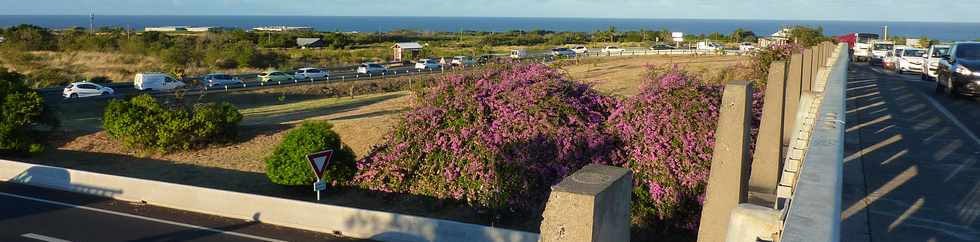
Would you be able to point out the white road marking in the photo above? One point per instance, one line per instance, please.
(43, 238)
(142, 218)
(953, 119)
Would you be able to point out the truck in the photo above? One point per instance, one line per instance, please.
(859, 45)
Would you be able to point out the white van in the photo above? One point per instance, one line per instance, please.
(707, 45)
(156, 82)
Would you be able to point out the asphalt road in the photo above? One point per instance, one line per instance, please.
(910, 167)
(36, 214)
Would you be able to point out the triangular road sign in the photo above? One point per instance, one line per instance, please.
(319, 161)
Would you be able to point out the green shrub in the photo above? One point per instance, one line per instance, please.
(143, 123)
(21, 109)
(288, 164)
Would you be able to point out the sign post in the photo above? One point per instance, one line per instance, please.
(319, 161)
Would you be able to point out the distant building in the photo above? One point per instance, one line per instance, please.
(281, 28)
(780, 37)
(914, 43)
(203, 29)
(304, 43)
(166, 29)
(413, 48)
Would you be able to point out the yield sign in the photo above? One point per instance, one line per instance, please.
(319, 161)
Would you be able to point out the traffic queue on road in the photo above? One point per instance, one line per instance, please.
(954, 67)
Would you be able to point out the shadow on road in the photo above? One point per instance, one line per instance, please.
(909, 173)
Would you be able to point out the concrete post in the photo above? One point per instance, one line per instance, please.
(793, 89)
(767, 162)
(807, 70)
(592, 205)
(728, 182)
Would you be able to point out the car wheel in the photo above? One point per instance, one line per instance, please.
(73, 95)
(949, 88)
(104, 94)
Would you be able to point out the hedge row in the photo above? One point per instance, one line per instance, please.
(142, 122)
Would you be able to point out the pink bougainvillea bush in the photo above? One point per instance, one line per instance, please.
(498, 140)
(668, 138)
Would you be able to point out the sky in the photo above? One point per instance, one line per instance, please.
(868, 10)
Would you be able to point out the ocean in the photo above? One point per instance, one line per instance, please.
(934, 30)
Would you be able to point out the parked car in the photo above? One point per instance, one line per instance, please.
(518, 54)
(221, 79)
(879, 51)
(661, 47)
(612, 49)
(86, 89)
(152, 81)
(931, 63)
(580, 49)
(911, 60)
(275, 76)
(746, 47)
(371, 68)
(562, 52)
(311, 73)
(463, 61)
(959, 70)
(427, 64)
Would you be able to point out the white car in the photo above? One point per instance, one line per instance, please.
(911, 61)
(153, 81)
(221, 79)
(371, 68)
(932, 62)
(427, 64)
(746, 47)
(612, 49)
(463, 61)
(562, 52)
(310, 73)
(580, 49)
(86, 89)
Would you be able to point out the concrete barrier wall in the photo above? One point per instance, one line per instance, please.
(814, 211)
(352, 222)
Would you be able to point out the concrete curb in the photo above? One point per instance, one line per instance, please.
(352, 222)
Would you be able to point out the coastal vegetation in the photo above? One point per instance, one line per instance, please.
(54, 57)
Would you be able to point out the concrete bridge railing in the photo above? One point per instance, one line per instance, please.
(789, 189)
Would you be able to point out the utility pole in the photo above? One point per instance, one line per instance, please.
(91, 22)
(885, 30)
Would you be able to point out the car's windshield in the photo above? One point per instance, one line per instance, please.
(374, 65)
(968, 51)
(221, 77)
(914, 53)
(884, 46)
(938, 52)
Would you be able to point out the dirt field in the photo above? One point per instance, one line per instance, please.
(623, 76)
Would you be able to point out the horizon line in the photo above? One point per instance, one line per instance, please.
(503, 17)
